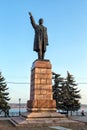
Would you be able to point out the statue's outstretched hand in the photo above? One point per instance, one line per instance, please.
(30, 14)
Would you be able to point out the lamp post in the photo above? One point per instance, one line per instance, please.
(19, 106)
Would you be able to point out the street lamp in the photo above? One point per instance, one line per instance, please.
(19, 106)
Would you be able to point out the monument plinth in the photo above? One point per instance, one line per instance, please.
(41, 98)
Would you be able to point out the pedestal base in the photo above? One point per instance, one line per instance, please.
(38, 115)
(41, 105)
(41, 98)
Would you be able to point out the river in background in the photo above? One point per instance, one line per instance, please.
(15, 111)
(76, 113)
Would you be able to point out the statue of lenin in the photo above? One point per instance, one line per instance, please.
(41, 37)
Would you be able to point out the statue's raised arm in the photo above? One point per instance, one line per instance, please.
(32, 20)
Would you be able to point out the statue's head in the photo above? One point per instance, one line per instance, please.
(40, 21)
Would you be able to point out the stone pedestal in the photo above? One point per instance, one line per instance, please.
(41, 106)
(41, 99)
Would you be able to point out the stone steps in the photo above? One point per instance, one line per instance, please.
(49, 121)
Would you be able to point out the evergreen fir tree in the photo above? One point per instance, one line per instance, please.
(66, 93)
(71, 94)
(57, 89)
(4, 96)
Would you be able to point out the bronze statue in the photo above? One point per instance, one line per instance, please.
(41, 38)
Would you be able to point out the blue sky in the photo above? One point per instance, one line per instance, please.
(66, 21)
